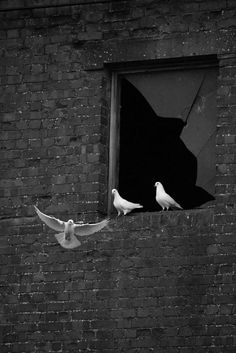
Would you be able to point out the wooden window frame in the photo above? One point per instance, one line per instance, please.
(116, 72)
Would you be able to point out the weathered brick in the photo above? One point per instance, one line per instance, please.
(152, 281)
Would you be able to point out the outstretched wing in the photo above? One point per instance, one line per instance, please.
(87, 229)
(52, 222)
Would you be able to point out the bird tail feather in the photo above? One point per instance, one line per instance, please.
(176, 205)
(67, 244)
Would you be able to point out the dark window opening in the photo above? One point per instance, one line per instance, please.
(167, 134)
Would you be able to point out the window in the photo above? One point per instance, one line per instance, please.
(163, 127)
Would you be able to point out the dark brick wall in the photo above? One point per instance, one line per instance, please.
(151, 282)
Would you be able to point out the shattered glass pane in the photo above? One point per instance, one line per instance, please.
(168, 125)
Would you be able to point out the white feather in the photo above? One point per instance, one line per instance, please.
(122, 205)
(164, 199)
(69, 229)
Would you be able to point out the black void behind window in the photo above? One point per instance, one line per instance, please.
(167, 134)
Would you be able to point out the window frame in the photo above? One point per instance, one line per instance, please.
(116, 72)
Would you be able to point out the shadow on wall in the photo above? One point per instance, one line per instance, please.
(151, 150)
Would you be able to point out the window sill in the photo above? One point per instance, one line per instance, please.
(196, 218)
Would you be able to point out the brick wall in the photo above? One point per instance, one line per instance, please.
(151, 282)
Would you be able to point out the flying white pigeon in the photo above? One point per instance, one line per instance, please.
(69, 229)
(165, 200)
(122, 205)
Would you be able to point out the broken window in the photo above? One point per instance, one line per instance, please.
(165, 128)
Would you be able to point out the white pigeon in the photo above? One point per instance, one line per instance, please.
(122, 205)
(69, 229)
(163, 199)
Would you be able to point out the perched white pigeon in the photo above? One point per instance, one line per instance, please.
(165, 200)
(122, 205)
(69, 229)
